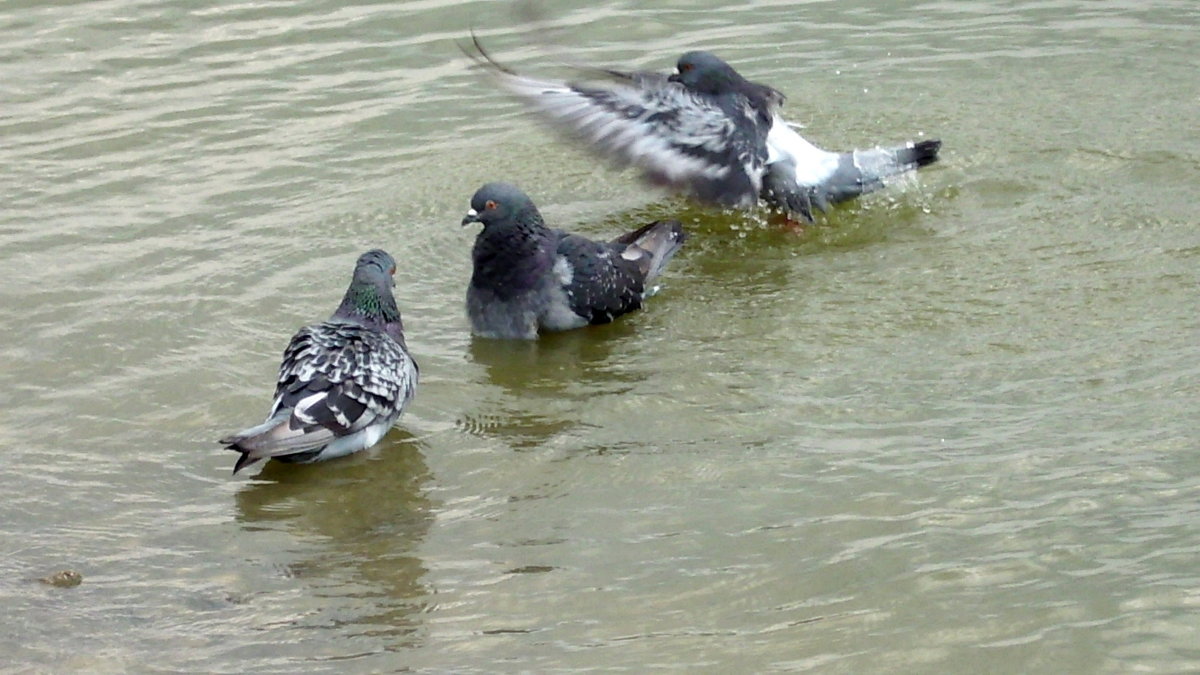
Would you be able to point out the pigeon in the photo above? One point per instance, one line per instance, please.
(529, 278)
(709, 132)
(343, 382)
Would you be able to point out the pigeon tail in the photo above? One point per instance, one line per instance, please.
(879, 163)
(863, 171)
(244, 461)
(274, 438)
(923, 153)
(661, 239)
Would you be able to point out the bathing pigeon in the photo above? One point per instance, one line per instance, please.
(707, 131)
(528, 277)
(343, 383)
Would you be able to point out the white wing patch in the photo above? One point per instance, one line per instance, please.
(563, 271)
(301, 410)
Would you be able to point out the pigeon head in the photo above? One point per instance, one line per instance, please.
(369, 297)
(705, 72)
(514, 249)
(376, 266)
(501, 204)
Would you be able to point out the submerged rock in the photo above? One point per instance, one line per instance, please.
(63, 579)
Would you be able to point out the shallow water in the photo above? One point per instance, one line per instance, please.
(950, 428)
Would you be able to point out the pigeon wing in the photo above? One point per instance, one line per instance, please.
(600, 283)
(343, 377)
(710, 148)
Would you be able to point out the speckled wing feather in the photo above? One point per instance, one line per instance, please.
(713, 149)
(599, 283)
(342, 377)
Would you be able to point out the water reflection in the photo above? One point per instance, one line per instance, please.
(540, 385)
(557, 363)
(357, 525)
(514, 366)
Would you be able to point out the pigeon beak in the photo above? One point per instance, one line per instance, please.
(471, 217)
(673, 77)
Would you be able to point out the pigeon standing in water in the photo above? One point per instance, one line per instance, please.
(707, 131)
(343, 383)
(529, 278)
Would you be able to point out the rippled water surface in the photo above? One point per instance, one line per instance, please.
(950, 428)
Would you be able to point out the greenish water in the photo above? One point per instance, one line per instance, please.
(952, 428)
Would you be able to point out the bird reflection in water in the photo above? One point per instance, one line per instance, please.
(355, 526)
(541, 385)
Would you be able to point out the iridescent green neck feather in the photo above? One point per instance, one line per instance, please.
(366, 301)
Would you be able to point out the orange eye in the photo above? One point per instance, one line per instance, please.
(685, 67)
(392, 271)
(489, 205)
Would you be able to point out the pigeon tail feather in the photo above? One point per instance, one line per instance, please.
(274, 438)
(863, 171)
(245, 460)
(661, 239)
(921, 154)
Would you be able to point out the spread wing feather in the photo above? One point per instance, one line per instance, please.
(712, 149)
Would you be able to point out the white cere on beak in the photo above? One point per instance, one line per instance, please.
(471, 213)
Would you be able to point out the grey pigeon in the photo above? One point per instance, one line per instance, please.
(529, 278)
(343, 383)
(709, 132)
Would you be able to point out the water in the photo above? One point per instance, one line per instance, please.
(951, 428)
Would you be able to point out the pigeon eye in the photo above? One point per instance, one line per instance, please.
(489, 205)
(392, 271)
(684, 67)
